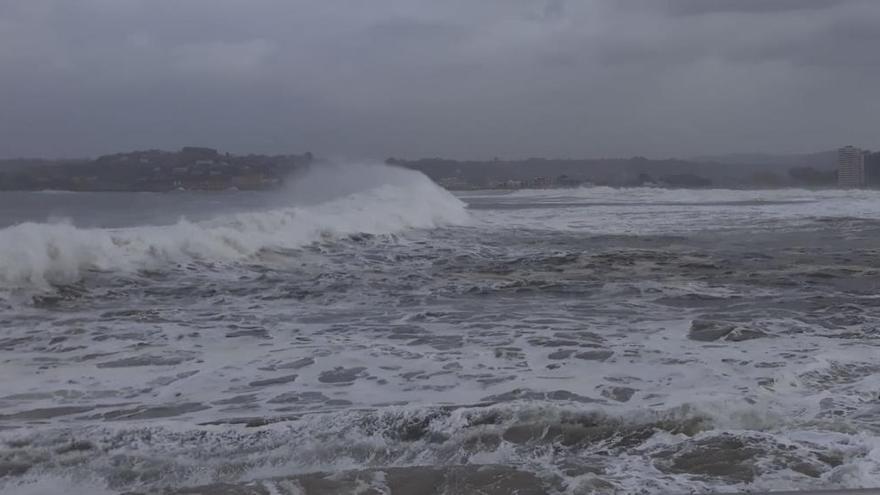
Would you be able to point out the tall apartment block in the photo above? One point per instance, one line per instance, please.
(850, 167)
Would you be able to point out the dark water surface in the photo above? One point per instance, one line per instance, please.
(395, 340)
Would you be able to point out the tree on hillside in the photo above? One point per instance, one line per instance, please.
(812, 177)
(766, 179)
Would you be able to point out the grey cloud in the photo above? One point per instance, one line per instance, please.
(701, 7)
(554, 9)
(223, 59)
(455, 78)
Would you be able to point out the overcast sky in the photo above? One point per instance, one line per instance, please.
(454, 78)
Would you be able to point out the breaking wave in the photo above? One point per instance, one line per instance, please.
(561, 448)
(329, 201)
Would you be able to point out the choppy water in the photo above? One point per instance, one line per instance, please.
(370, 330)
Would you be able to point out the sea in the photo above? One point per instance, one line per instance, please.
(366, 331)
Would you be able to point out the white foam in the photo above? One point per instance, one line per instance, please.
(342, 200)
(352, 440)
(685, 196)
(646, 211)
(51, 484)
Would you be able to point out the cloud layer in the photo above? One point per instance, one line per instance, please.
(424, 78)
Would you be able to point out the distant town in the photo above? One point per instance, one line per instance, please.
(191, 168)
(848, 167)
(207, 169)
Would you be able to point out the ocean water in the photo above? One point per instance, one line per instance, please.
(366, 331)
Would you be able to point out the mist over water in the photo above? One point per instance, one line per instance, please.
(368, 329)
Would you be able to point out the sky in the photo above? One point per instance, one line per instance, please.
(467, 79)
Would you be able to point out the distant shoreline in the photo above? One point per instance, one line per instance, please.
(499, 191)
(207, 169)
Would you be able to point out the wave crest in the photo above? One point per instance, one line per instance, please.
(332, 201)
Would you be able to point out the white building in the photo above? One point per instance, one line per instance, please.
(850, 167)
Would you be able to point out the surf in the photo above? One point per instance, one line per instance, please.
(325, 203)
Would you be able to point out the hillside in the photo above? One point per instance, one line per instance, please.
(191, 168)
